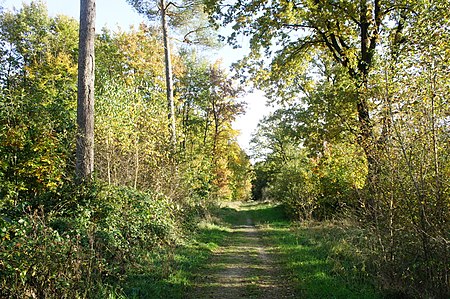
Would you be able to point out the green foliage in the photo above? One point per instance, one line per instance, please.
(107, 236)
(130, 92)
(36, 103)
(412, 185)
(366, 125)
(135, 152)
(36, 258)
(341, 173)
(260, 181)
(320, 181)
(296, 185)
(241, 173)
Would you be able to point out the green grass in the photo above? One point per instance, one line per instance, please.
(318, 257)
(321, 262)
(260, 213)
(170, 272)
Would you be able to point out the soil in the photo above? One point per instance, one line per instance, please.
(245, 268)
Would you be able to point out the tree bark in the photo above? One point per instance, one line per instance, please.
(169, 75)
(85, 108)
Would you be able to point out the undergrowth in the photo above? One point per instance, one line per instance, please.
(97, 244)
(140, 245)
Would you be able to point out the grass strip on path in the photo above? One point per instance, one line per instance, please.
(242, 266)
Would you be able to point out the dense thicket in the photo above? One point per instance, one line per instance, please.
(363, 128)
(63, 240)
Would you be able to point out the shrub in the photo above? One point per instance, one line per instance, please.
(87, 249)
(38, 262)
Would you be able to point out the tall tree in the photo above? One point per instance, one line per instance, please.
(86, 78)
(169, 75)
(188, 16)
(294, 33)
(145, 8)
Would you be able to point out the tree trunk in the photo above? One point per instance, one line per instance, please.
(169, 76)
(216, 124)
(369, 25)
(136, 161)
(85, 108)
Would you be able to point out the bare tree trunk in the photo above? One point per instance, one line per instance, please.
(205, 131)
(108, 159)
(85, 108)
(216, 124)
(169, 76)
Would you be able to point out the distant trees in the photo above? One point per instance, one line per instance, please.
(209, 107)
(313, 177)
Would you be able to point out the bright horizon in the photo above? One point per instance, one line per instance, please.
(114, 14)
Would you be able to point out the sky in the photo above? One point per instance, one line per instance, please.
(111, 13)
(118, 13)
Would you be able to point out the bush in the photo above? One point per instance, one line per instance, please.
(38, 262)
(87, 249)
(296, 186)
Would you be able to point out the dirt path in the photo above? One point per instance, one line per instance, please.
(244, 267)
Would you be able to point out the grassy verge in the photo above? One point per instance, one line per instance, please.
(319, 256)
(170, 272)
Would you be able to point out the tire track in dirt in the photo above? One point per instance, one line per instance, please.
(244, 268)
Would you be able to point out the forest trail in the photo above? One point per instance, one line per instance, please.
(243, 266)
